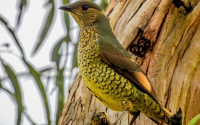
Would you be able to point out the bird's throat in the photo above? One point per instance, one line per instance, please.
(88, 35)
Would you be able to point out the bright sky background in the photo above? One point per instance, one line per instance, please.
(27, 34)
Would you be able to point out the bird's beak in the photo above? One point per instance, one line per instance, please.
(65, 8)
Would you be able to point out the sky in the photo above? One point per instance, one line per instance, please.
(27, 33)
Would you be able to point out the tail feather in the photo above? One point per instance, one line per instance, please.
(176, 119)
(155, 111)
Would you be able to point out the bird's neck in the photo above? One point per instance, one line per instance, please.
(88, 29)
(100, 26)
(90, 33)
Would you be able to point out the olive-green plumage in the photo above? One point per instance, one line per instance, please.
(108, 69)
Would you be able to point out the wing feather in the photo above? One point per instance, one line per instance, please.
(120, 60)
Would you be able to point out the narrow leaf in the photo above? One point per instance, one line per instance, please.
(22, 6)
(75, 60)
(67, 23)
(12, 34)
(60, 85)
(45, 29)
(55, 56)
(104, 4)
(194, 120)
(65, 1)
(14, 98)
(36, 76)
(17, 93)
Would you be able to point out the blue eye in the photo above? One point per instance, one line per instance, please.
(84, 7)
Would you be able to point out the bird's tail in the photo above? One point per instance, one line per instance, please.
(175, 119)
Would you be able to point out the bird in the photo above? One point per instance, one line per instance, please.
(108, 70)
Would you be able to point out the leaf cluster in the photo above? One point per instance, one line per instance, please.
(57, 56)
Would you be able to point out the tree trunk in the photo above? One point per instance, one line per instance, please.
(171, 62)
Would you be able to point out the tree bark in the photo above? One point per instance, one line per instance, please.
(171, 62)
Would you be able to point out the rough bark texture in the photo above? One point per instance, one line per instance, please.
(172, 63)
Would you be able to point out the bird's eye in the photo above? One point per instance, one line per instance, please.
(84, 7)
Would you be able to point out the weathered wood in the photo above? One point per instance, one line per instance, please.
(173, 64)
(155, 24)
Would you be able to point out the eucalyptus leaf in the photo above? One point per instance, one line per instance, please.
(104, 4)
(55, 56)
(194, 120)
(17, 94)
(67, 23)
(22, 6)
(75, 60)
(45, 29)
(38, 81)
(61, 96)
(14, 98)
(4, 21)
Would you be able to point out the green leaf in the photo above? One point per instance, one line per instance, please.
(75, 59)
(4, 21)
(36, 76)
(45, 29)
(17, 94)
(14, 98)
(65, 1)
(194, 120)
(104, 4)
(61, 96)
(67, 23)
(55, 56)
(22, 4)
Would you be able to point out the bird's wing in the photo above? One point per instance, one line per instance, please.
(120, 60)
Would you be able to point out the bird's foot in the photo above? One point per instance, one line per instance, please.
(176, 119)
(127, 105)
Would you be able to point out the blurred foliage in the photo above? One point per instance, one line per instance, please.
(104, 4)
(56, 56)
(17, 95)
(22, 5)
(45, 29)
(194, 120)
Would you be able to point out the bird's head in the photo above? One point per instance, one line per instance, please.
(85, 13)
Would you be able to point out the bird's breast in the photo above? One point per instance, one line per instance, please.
(103, 82)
